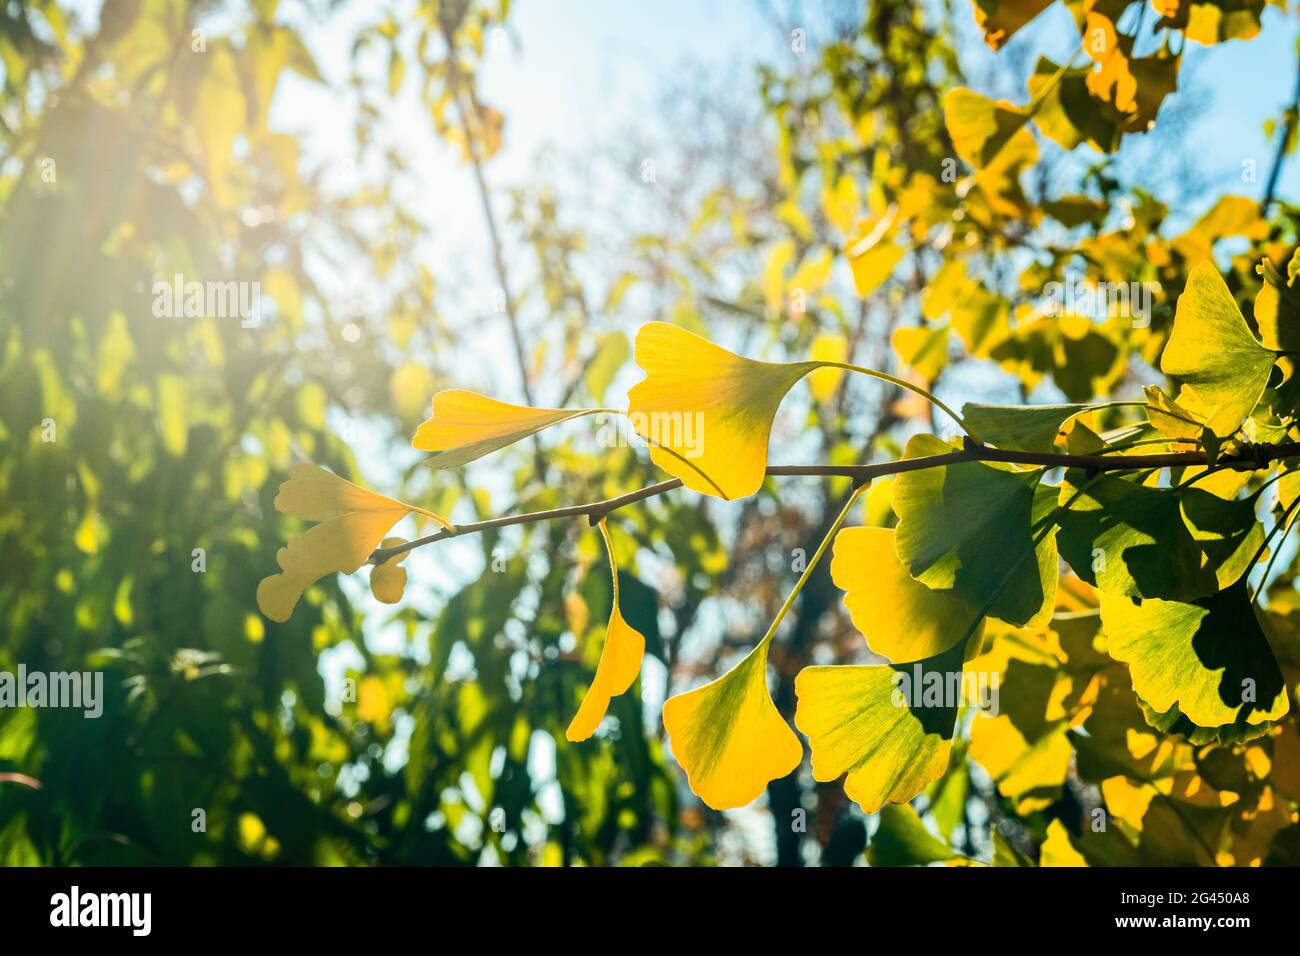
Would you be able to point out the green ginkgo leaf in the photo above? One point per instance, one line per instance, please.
(1277, 309)
(1171, 419)
(1212, 351)
(1130, 540)
(901, 839)
(880, 725)
(1209, 658)
(1226, 530)
(970, 528)
(1020, 427)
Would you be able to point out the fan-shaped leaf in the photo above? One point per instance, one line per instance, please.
(729, 737)
(620, 662)
(1208, 658)
(965, 527)
(706, 412)
(901, 618)
(1213, 352)
(466, 425)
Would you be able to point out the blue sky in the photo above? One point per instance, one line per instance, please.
(574, 72)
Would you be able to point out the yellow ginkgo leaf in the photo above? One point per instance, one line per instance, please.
(620, 662)
(729, 737)
(466, 425)
(352, 523)
(706, 412)
(872, 253)
(824, 382)
(980, 127)
(900, 617)
(880, 725)
(388, 580)
(1058, 849)
(1214, 353)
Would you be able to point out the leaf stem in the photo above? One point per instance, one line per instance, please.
(911, 387)
(813, 562)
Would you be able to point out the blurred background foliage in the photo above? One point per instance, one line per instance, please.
(137, 143)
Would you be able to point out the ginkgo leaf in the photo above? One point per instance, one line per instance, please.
(352, 522)
(922, 348)
(466, 425)
(1211, 21)
(1171, 419)
(874, 724)
(1021, 427)
(999, 19)
(966, 528)
(1212, 351)
(902, 619)
(824, 382)
(1024, 747)
(871, 262)
(901, 839)
(1128, 539)
(1209, 658)
(1277, 309)
(706, 412)
(729, 737)
(1067, 113)
(1232, 215)
(388, 580)
(1058, 849)
(620, 662)
(1226, 530)
(978, 126)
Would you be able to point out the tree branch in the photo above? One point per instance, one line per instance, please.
(1258, 455)
(1284, 134)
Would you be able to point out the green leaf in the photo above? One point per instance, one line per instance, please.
(1020, 427)
(1209, 658)
(1213, 352)
(1225, 528)
(964, 527)
(1130, 540)
(901, 839)
(1006, 853)
(611, 352)
(891, 747)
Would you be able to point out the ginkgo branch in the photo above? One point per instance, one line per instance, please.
(1258, 455)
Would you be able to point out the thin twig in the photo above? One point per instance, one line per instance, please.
(1284, 134)
(1258, 455)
